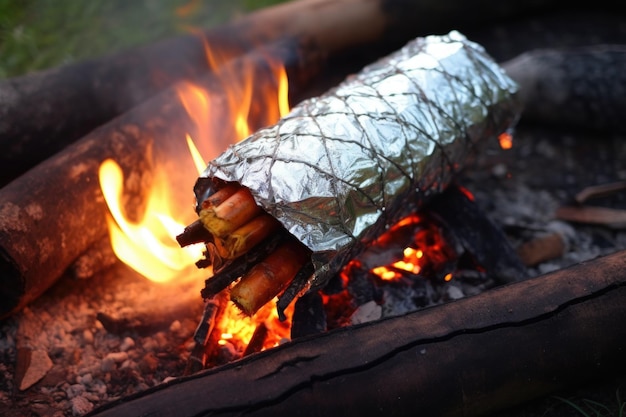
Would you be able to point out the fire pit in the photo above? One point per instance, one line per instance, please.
(104, 333)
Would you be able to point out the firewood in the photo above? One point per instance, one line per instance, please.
(47, 110)
(243, 239)
(257, 340)
(542, 248)
(229, 272)
(469, 357)
(197, 358)
(554, 93)
(601, 190)
(604, 216)
(220, 196)
(194, 233)
(52, 214)
(269, 277)
(231, 214)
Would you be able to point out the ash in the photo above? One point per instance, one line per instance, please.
(522, 188)
(74, 363)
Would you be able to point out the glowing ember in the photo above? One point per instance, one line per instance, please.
(506, 140)
(237, 329)
(467, 193)
(425, 250)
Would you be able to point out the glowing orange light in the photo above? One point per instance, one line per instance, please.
(158, 256)
(385, 273)
(238, 329)
(427, 250)
(198, 160)
(506, 140)
(467, 193)
(149, 246)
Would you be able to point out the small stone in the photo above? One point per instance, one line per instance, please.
(455, 293)
(369, 311)
(175, 326)
(107, 365)
(40, 409)
(88, 337)
(99, 387)
(149, 363)
(33, 366)
(499, 170)
(75, 390)
(127, 364)
(126, 344)
(117, 357)
(85, 379)
(81, 406)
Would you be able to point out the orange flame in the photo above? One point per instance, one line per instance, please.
(149, 246)
(238, 329)
(427, 249)
(158, 256)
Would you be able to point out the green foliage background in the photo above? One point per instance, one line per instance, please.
(38, 34)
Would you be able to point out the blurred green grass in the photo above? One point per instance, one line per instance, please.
(39, 34)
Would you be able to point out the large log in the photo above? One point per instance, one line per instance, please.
(465, 358)
(43, 112)
(577, 87)
(56, 211)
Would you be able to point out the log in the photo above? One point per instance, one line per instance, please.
(466, 358)
(572, 87)
(56, 211)
(42, 112)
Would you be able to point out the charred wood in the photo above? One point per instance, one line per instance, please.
(465, 358)
(478, 235)
(258, 339)
(309, 317)
(202, 335)
(576, 87)
(542, 248)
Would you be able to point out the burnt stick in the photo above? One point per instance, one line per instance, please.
(237, 267)
(270, 276)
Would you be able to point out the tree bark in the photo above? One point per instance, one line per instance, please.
(465, 358)
(56, 211)
(575, 87)
(43, 112)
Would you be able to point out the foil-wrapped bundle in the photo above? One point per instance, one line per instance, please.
(342, 167)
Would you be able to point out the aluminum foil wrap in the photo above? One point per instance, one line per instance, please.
(342, 167)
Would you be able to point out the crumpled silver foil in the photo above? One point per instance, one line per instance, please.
(340, 168)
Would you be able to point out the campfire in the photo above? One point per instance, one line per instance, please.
(170, 290)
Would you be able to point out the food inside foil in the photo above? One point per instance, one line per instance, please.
(340, 168)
